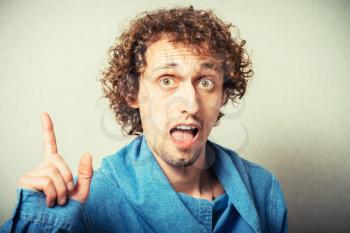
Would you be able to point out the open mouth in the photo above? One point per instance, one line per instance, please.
(184, 135)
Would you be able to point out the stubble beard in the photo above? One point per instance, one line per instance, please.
(177, 161)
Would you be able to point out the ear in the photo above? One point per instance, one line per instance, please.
(223, 99)
(133, 103)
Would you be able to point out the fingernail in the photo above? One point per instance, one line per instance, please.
(62, 200)
(49, 204)
(70, 186)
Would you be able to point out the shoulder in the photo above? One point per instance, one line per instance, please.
(263, 187)
(261, 183)
(106, 185)
(246, 168)
(117, 166)
(258, 174)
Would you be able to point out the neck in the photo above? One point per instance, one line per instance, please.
(195, 180)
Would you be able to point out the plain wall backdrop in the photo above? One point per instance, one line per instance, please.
(294, 119)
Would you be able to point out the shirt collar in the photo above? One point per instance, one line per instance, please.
(235, 182)
(140, 177)
(147, 189)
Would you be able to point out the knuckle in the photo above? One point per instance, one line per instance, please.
(61, 191)
(50, 195)
(67, 175)
(50, 192)
(63, 170)
(53, 170)
(47, 183)
(84, 174)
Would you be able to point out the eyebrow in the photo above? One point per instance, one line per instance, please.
(167, 65)
(207, 65)
(211, 66)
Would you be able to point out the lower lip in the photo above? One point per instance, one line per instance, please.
(186, 144)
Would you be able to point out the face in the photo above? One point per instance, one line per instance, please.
(179, 98)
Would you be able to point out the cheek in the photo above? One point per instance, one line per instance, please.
(210, 111)
(212, 103)
(153, 113)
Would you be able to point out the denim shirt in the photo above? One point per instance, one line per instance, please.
(130, 193)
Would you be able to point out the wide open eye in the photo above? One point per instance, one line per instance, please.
(166, 82)
(206, 84)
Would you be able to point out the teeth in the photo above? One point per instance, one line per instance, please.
(185, 127)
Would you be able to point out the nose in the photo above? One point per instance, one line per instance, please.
(188, 98)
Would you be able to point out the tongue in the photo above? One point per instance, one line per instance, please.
(182, 135)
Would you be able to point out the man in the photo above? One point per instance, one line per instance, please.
(170, 73)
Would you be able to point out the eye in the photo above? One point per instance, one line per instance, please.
(166, 82)
(206, 84)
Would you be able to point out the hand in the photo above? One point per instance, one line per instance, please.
(53, 176)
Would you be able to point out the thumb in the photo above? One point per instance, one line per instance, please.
(85, 172)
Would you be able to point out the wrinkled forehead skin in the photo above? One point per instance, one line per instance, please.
(202, 51)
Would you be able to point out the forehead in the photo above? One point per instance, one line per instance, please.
(164, 53)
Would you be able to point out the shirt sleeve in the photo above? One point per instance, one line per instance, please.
(278, 210)
(32, 215)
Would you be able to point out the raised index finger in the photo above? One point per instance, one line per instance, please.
(50, 146)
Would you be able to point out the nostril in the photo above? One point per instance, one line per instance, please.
(183, 105)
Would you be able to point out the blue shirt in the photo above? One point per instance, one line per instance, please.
(130, 193)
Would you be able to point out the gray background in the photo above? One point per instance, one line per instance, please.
(293, 120)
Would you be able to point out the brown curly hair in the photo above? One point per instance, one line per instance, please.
(199, 29)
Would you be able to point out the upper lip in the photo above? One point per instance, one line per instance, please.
(191, 124)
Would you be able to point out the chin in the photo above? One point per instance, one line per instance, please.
(183, 163)
(186, 159)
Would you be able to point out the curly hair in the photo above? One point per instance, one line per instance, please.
(199, 29)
